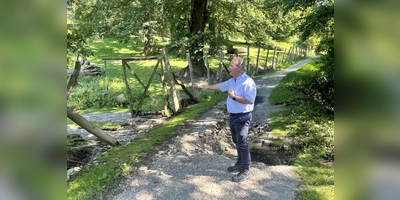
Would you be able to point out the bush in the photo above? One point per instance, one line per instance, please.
(314, 134)
(89, 94)
(309, 92)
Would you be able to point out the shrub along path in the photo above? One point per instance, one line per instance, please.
(191, 163)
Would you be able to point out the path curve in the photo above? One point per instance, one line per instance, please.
(192, 163)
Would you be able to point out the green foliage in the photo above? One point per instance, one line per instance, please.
(317, 178)
(313, 82)
(90, 94)
(309, 124)
(140, 22)
(317, 19)
(313, 128)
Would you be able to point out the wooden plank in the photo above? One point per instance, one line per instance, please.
(266, 59)
(184, 88)
(273, 59)
(85, 124)
(130, 58)
(128, 90)
(248, 59)
(221, 62)
(142, 84)
(146, 88)
(283, 56)
(172, 83)
(191, 73)
(277, 58)
(258, 56)
(288, 56)
(165, 95)
(208, 71)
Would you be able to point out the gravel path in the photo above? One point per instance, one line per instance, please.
(191, 164)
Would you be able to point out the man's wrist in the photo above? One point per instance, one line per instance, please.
(234, 97)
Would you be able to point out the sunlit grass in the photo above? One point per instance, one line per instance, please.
(317, 178)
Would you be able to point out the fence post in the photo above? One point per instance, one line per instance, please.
(273, 59)
(258, 56)
(208, 70)
(266, 58)
(166, 113)
(248, 59)
(283, 56)
(277, 59)
(128, 89)
(221, 62)
(191, 73)
(288, 56)
(172, 82)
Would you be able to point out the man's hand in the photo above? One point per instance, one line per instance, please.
(231, 93)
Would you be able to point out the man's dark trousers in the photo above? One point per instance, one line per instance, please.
(239, 124)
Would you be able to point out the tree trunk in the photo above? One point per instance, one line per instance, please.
(82, 122)
(198, 19)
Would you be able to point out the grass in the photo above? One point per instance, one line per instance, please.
(308, 124)
(120, 160)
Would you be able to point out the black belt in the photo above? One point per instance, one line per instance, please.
(234, 114)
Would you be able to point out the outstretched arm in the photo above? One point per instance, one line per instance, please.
(210, 87)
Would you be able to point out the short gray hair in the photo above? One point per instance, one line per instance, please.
(241, 63)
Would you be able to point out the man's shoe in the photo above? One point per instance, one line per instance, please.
(235, 168)
(243, 175)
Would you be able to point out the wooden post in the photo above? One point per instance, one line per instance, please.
(208, 70)
(105, 69)
(277, 59)
(191, 73)
(266, 58)
(258, 56)
(165, 95)
(85, 124)
(128, 89)
(172, 83)
(273, 59)
(289, 54)
(248, 59)
(283, 56)
(221, 61)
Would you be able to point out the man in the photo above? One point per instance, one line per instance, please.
(240, 103)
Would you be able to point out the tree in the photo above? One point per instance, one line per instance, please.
(194, 26)
(198, 20)
(318, 21)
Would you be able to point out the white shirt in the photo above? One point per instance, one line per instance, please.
(243, 86)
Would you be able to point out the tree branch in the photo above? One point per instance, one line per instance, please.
(74, 78)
